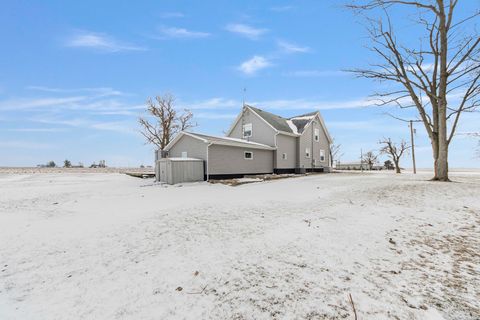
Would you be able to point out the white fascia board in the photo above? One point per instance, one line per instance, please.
(289, 134)
(194, 136)
(172, 143)
(178, 136)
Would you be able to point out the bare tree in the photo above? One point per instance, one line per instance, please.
(394, 151)
(370, 158)
(335, 152)
(439, 78)
(164, 121)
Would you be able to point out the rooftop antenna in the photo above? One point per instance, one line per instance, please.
(244, 94)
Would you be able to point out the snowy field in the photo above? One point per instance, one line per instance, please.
(109, 246)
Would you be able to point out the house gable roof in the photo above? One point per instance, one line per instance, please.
(290, 126)
(277, 122)
(301, 121)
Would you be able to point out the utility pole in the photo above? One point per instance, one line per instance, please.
(361, 159)
(413, 147)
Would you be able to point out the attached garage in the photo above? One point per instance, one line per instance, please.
(223, 157)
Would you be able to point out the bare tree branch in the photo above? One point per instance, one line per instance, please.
(441, 81)
(164, 122)
(394, 151)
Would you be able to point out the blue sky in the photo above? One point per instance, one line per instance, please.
(75, 77)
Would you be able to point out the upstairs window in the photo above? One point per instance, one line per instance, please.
(284, 156)
(307, 152)
(248, 155)
(247, 130)
(317, 135)
(184, 154)
(322, 155)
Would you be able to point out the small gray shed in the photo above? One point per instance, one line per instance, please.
(177, 170)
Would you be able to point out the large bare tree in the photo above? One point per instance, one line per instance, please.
(164, 121)
(394, 150)
(438, 77)
(370, 158)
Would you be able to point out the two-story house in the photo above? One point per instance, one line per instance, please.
(259, 142)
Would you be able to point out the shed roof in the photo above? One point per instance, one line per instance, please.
(233, 142)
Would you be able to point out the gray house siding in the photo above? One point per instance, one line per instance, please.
(223, 160)
(261, 132)
(307, 141)
(288, 145)
(195, 148)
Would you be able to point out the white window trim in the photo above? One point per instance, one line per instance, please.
(243, 130)
(324, 156)
(284, 156)
(245, 155)
(316, 135)
(184, 154)
(308, 154)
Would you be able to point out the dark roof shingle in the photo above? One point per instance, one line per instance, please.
(275, 121)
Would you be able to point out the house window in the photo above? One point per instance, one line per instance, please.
(322, 155)
(317, 135)
(248, 155)
(284, 156)
(184, 154)
(247, 130)
(307, 152)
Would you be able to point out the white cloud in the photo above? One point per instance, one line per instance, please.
(254, 64)
(102, 91)
(93, 100)
(118, 126)
(280, 104)
(173, 32)
(292, 104)
(100, 41)
(291, 47)
(16, 104)
(36, 130)
(246, 30)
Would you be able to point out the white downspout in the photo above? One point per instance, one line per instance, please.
(275, 158)
(207, 161)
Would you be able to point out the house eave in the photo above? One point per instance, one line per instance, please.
(247, 146)
(289, 134)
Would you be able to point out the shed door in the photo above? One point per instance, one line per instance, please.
(163, 171)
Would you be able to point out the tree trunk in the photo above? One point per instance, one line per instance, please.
(441, 167)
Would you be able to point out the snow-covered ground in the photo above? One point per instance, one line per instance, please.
(109, 246)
